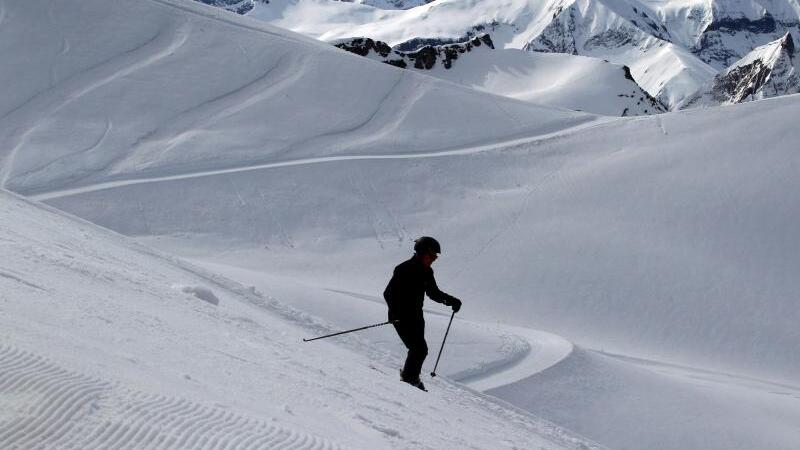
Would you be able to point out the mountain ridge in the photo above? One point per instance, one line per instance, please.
(673, 48)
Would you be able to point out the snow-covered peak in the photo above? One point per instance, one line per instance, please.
(612, 30)
(672, 47)
(767, 71)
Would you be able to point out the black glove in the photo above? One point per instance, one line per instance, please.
(455, 304)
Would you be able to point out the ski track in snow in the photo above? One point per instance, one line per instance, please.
(43, 405)
(545, 350)
(2, 13)
(187, 123)
(500, 145)
(95, 146)
(17, 279)
(24, 119)
(389, 113)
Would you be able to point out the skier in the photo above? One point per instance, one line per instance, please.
(404, 294)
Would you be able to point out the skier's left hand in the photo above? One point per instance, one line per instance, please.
(455, 304)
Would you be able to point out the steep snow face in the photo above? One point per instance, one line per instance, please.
(577, 83)
(103, 340)
(768, 71)
(738, 27)
(589, 27)
(186, 87)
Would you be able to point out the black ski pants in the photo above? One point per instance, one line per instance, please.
(412, 333)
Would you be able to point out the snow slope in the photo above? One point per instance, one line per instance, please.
(695, 408)
(572, 82)
(683, 223)
(658, 237)
(177, 81)
(479, 355)
(101, 347)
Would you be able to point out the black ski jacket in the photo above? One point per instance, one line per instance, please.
(406, 290)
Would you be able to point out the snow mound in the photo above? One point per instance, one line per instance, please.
(203, 293)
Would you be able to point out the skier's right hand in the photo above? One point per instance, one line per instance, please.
(455, 304)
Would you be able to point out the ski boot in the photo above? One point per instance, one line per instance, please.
(415, 381)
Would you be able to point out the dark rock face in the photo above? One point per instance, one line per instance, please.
(628, 73)
(650, 25)
(611, 39)
(788, 45)
(416, 44)
(729, 25)
(238, 6)
(424, 58)
(558, 36)
(713, 50)
(362, 47)
(741, 82)
(644, 98)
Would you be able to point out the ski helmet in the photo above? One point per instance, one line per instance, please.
(427, 244)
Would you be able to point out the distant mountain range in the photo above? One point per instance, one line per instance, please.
(675, 50)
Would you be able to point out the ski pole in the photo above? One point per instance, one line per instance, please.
(350, 331)
(433, 374)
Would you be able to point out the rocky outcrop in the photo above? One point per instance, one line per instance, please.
(418, 43)
(725, 39)
(425, 58)
(558, 36)
(392, 4)
(768, 71)
(646, 102)
(237, 6)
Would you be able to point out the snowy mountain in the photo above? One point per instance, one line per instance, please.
(577, 83)
(673, 48)
(768, 71)
(630, 279)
